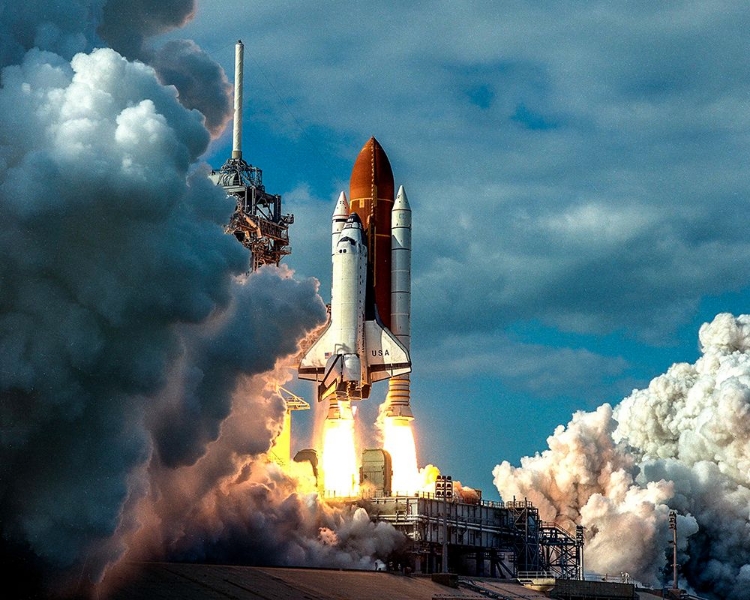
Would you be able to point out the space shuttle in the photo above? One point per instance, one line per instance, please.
(357, 346)
(353, 351)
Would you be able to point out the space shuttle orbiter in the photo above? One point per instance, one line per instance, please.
(353, 351)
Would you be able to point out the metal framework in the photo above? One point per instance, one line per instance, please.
(281, 449)
(561, 553)
(257, 222)
(526, 545)
(499, 539)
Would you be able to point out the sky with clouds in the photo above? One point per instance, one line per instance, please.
(577, 175)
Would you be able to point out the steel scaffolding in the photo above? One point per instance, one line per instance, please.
(496, 539)
(257, 221)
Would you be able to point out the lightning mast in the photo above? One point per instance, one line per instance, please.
(257, 222)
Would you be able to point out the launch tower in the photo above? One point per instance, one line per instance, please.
(257, 221)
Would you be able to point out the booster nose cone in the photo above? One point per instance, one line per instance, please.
(402, 202)
(342, 208)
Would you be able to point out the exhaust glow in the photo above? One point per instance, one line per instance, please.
(398, 440)
(339, 462)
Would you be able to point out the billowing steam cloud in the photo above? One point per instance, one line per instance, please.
(132, 345)
(127, 26)
(683, 444)
(228, 508)
(64, 28)
(201, 82)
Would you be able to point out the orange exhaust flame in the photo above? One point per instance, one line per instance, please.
(398, 440)
(339, 461)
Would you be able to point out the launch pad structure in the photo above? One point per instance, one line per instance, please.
(460, 532)
(506, 540)
(257, 221)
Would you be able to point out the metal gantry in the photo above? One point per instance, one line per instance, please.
(526, 520)
(257, 221)
(560, 552)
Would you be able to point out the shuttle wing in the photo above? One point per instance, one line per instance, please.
(384, 356)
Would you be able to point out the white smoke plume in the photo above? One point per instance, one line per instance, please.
(126, 26)
(129, 334)
(683, 444)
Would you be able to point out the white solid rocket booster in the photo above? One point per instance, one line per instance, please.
(398, 399)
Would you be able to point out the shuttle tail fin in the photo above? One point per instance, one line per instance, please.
(313, 363)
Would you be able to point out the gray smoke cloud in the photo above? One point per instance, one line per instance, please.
(681, 444)
(126, 25)
(64, 28)
(104, 255)
(201, 82)
(134, 349)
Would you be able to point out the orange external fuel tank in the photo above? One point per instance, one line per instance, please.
(371, 196)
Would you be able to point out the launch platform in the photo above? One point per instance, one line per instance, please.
(480, 538)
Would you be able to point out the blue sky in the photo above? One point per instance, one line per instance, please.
(577, 174)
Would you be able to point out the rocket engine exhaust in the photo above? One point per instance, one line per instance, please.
(339, 457)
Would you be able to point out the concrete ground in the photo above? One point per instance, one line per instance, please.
(172, 581)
